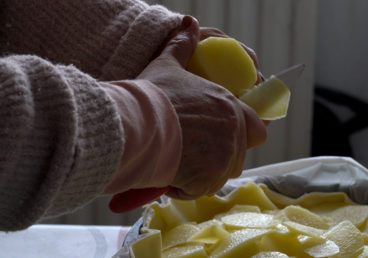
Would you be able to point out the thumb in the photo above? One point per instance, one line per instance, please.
(183, 44)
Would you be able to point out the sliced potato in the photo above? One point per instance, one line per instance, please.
(303, 216)
(326, 249)
(209, 235)
(270, 99)
(187, 251)
(248, 220)
(178, 235)
(270, 255)
(253, 221)
(347, 237)
(238, 243)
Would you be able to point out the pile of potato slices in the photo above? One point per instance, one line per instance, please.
(254, 221)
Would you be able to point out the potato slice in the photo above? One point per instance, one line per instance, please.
(284, 243)
(347, 237)
(209, 235)
(188, 251)
(270, 255)
(252, 194)
(238, 208)
(305, 230)
(303, 216)
(364, 253)
(239, 243)
(326, 249)
(178, 235)
(309, 241)
(248, 220)
(148, 246)
(270, 99)
(356, 214)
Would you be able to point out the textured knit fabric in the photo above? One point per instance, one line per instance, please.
(63, 132)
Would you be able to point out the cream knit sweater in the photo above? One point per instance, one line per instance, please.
(61, 134)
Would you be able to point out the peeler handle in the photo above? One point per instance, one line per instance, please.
(135, 198)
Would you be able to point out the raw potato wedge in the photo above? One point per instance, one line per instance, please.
(270, 99)
(225, 62)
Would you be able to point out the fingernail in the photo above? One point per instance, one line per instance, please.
(186, 22)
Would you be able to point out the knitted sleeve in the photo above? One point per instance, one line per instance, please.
(57, 135)
(108, 39)
(63, 136)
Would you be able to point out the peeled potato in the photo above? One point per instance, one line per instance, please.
(225, 62)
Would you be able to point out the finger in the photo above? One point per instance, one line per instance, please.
(217, 187)
(206, 32)
(183, 44)
(256, 128)
(177, 193)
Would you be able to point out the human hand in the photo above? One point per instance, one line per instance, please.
(217, 128)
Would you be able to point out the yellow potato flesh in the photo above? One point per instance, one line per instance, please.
(178, 235)
(210, 234)
(149, 246)
(238, 243)
(278, 227)
(304, 217)
(270, 255)
(270, 99)
(225, 62)
(347, 237)
(248, 220)
(189, 251)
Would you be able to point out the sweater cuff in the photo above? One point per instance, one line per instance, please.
(152, 130)
(61, 141)
(99, 143)
(144, 37)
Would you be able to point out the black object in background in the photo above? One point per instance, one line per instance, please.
(330, 133)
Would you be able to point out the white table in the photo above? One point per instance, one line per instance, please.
(54, 241)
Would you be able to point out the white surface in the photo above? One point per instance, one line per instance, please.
(321, 174)
(54, 241)
(294, 165)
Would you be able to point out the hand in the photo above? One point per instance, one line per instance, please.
(217, 128)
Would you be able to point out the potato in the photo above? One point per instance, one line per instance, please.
(225, 62)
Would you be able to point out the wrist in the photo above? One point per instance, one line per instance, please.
(152, 134)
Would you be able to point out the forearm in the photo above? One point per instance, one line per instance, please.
(153, 136)
(61, 140)
(67, 139)
(110, 40)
